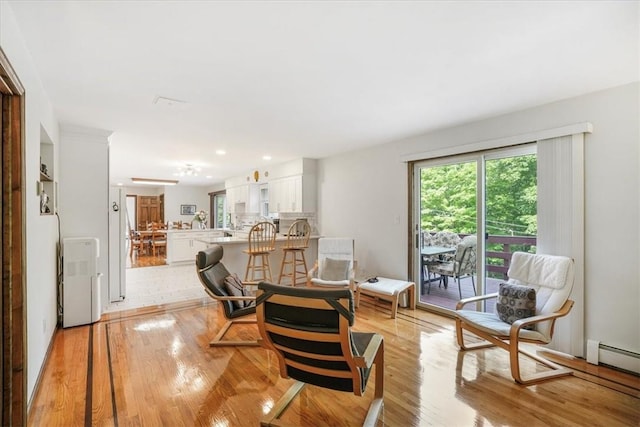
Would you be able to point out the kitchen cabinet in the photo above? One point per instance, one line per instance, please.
(292, 194)
(184, 245)
(243, 198)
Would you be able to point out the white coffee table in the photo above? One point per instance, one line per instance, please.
(388, 290)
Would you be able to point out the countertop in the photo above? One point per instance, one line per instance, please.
(222, 240)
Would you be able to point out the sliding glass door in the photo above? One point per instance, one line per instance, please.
(471, 212)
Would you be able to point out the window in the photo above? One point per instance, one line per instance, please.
(221, 217)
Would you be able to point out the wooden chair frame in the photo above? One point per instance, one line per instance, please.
(311, 298)
(511, 343)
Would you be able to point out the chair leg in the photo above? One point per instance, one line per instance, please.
(514, 359)
(514, 351)
(281, 405)
(249, 266)
(282, 264)
(376, 405)
(218, 339)
(266, 268)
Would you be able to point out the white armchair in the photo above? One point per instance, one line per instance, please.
(551, 277)
(335, 265)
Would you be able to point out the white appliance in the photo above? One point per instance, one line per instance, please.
(80, 281)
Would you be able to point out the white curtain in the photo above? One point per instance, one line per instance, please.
(561, 225)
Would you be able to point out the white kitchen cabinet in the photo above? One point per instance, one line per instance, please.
(292, 194)
(184, 245)
(243, 199)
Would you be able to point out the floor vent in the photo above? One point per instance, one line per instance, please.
(598, 353)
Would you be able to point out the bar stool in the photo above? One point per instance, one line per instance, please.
(262, 241)
(293, 252)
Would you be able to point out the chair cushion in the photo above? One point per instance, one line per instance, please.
(516, 302)
(442, 268)
(321, 282)
(233, 286)
(335, 269)
(491, 323)
(548, 271)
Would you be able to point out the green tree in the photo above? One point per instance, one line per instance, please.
(448, 197)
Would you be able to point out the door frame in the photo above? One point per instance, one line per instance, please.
(13, 319)
(480, 158)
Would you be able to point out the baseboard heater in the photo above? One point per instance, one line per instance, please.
(598, 353)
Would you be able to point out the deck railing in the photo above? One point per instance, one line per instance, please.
(499, 250)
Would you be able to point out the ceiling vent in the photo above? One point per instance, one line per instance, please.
(169, 102)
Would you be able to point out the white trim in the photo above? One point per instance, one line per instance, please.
(577, 128)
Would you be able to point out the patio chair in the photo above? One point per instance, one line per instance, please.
(235, 300)
(441, 239)
(335, 265)
(462, 265)
(540, 281)
(309, 329)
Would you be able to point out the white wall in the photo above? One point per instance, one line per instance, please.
(84, 192)
(177, 195)
(41, 231)
(364, 194)
(144, 191)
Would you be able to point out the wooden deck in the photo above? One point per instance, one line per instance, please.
(448, 297)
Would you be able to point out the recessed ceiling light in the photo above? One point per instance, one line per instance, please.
(209, 177)
(221, 152)
(266, 157)
(119, 184)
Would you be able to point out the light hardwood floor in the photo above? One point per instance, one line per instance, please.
(153, 367)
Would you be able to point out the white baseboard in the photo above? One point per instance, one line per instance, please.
(598, 353)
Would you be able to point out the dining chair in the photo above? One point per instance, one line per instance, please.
(462, 265)
(135, 243)
(158, 240)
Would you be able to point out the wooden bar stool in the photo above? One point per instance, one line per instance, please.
(293, 253)
(262, 241)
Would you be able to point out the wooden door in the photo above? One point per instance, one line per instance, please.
(148, 210)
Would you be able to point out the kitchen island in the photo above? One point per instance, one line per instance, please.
(183, 245)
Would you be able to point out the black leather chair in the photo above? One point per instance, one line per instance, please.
(236, 303)
(309, 329)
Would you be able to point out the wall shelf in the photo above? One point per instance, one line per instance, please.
(46, 185)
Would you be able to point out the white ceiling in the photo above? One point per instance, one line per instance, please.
(309, 79)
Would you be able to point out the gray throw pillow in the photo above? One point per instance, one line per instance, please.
(233, 286)
(335, 269)
(516, 302)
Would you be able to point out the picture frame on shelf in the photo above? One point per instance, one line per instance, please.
(187, 209)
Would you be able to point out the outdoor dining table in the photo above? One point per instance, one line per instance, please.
(436, 250)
